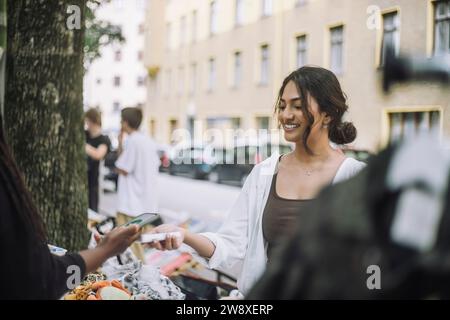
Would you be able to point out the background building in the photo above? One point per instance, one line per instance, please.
(221, 62)
(117, 79)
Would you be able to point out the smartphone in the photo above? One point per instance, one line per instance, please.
(143, 219)
(150, 237)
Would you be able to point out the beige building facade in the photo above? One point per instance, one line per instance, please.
(219, 64)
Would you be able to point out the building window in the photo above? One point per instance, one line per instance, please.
(117, 81)
(173, 125)
(391, 35)
(118, 55)
(442, 27)
(336, 49)
(408, 124)
(141, 28)
(168, 35)
(183, 30)
(223, 123)
(194, 26)
(264, 79)
(299, 3)
(235, 123)
(211, 74)
(262, 123)
(180, 80)
(140, 55)
(237, 69)
(213, 17)
(239, 13)
(267, 7)
(116, 106)
(99, 81)
(152, 127)
(193, 87)
(140, 81)
(168, 82)
(301, 50)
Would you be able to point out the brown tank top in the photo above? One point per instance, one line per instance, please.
(280, 216)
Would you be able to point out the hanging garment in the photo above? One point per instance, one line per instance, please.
(382, 234)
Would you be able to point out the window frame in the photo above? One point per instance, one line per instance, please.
(445, 19)
(266, 8)
(395, 31)
(212, 74)
(332, 44)
(238, 13)
(386, 127)
(299, 50)
(213, 17)
(264, 64)
(237, 69)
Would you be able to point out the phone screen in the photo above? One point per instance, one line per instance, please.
(143, 219)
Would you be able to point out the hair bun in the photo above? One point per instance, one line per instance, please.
(343, 133)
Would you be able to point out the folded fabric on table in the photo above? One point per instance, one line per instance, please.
(144, 282)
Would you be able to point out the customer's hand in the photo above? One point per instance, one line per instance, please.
(171, 242)
(118, 240)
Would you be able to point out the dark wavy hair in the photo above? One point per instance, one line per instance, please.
(324, 87)
(13, 182)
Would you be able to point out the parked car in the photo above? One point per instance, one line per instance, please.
(196, 162)
(234, 165)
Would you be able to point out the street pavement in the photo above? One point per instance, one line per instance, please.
(181, 197)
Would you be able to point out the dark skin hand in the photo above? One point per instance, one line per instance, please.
(112, 244)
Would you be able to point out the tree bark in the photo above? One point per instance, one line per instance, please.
(2, 53)
(44, 113)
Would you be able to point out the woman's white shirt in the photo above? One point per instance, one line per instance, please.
(240, 239)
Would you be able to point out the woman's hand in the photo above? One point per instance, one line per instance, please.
(118, 240)
(171, 242)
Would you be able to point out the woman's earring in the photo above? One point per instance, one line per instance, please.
(325, 126)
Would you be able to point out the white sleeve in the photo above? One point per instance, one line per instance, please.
(231, 241)
(127, 160)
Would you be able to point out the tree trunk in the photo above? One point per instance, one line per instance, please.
(2, 53)
(44, 113)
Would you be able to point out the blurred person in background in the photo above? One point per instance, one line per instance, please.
(97, 146)
(138, 167)
(28, 268)
(310, 107)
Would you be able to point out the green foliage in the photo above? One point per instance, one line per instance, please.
(99, 33)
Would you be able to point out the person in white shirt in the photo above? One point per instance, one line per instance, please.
(310, 108)
(137, 167)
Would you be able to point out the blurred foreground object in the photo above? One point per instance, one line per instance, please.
(3, 37)
(384, 234)
(411, 68)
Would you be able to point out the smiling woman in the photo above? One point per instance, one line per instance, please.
(315, 101)
(278, 190)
